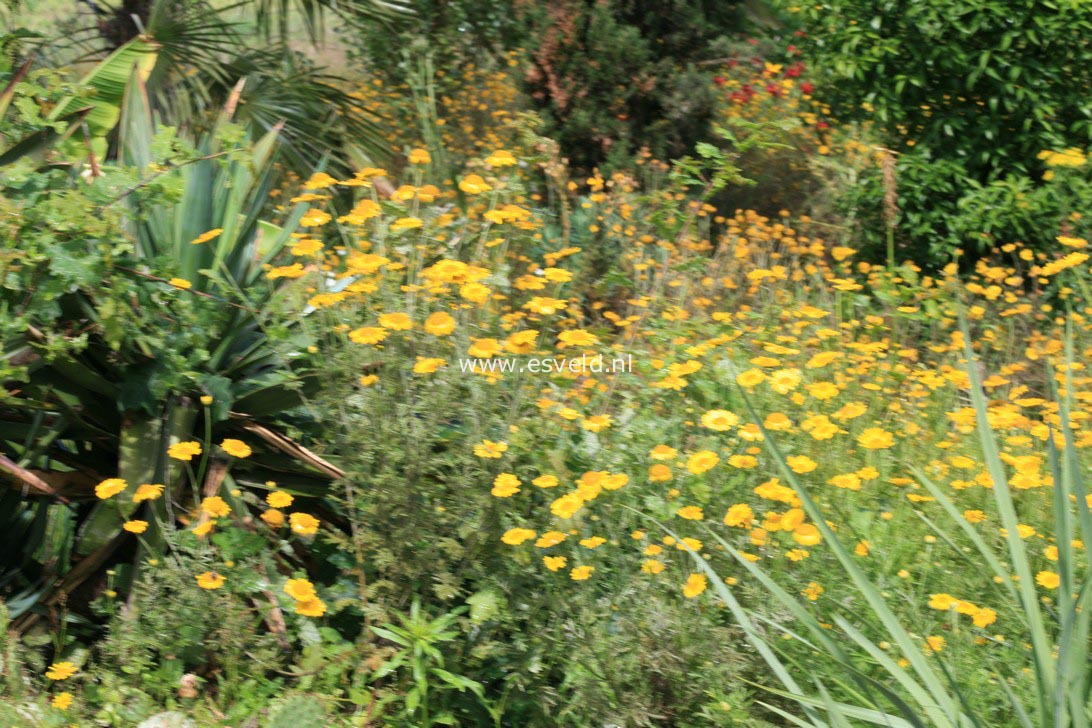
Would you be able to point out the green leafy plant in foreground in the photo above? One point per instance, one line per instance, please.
(419, 662)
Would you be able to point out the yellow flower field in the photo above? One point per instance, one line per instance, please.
(565, 365)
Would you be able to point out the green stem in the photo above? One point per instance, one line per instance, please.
(890, 248)
(207, 445)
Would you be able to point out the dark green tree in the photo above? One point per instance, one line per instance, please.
(607, 77)
(611, 78)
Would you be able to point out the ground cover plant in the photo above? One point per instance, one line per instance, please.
(484, 421)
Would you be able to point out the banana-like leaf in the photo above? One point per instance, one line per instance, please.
(109, 79)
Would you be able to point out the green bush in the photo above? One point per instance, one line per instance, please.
(968, 94)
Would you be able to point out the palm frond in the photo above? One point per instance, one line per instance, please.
(318, 117)
(274, 17)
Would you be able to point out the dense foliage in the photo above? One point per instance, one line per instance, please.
(968, 95)
(490, 436)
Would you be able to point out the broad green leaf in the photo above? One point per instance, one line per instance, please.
(108, 80)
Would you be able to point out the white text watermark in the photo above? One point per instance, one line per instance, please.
(584, 364)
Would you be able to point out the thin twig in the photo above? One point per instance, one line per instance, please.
(96, 171)
(187, 290)
(160, 173)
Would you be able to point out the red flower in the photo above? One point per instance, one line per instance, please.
(807, 87)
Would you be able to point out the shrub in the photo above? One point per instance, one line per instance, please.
(967, 95)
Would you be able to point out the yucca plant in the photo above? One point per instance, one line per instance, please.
(115, 368)
(900, 686)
